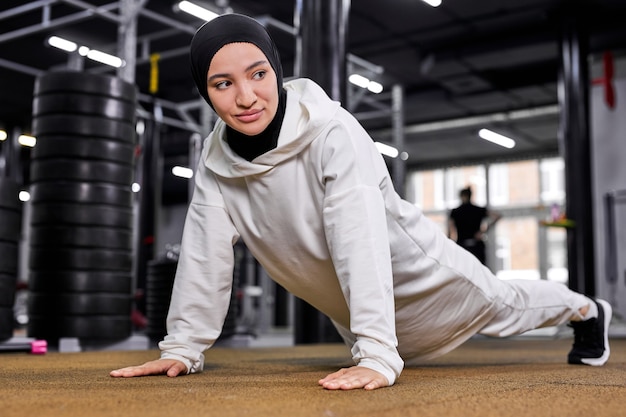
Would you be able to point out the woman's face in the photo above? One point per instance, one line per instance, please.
(242, 87)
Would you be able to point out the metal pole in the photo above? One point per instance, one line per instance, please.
(127, 38)
(573, 94)
(397, 122)
(322, 26)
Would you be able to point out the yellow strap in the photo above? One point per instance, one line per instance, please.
(154, 73)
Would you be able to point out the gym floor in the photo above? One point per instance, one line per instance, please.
(485, 377)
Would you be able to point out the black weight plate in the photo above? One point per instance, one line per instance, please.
(82, 104)
(83, 125)
(10, 225)
(162, 269)
(43, 258)
(156, 321)
(80, 304)
(160, 302)
(81, 214)
(161, 275)
(76, 170)
(156, 328)
(8, 257)
(9, 194)
(160, 286)
(8, 285)
(80, 281)
(156, 316)
(74, 236)
(87, 83)
(157, 331)
(84, 147)
(162, 264)
(81, 192)
(54, 327)
(7, 323)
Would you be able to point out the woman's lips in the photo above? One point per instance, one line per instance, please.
(250, 116)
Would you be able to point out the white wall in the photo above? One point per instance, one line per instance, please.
(608, 142)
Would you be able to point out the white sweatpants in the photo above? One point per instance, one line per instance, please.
(443, 295)
(448, 296)
(526, 305)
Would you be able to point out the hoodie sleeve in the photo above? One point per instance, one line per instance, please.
(356, 232)
(203, 282)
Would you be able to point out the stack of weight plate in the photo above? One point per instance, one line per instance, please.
(10, 225)
(80, 258)
(159, 283)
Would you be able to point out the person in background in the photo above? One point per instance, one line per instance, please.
(469, 223)
(297, 178)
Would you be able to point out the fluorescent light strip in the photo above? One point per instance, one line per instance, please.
(197, 11)
(93, 54)
(63, 44)
(363, 82)
(26, 140)
(496, 138)
(182, 172)
(375, 87)
(358, 80)
(386, 149)
(105, 58)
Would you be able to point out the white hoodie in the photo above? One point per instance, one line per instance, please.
(320, 214)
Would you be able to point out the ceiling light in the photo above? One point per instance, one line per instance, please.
(105, 58)
(24, 196)
(26, 140)
(182, 172)
(386, 149)
(358, 80)
(93, 54)
(3, 135)
(496, 138)
(433, 3)
(197, 11)
(363, 82)
(63, 44)
(375, 87)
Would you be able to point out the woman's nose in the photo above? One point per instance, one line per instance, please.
(246, 96)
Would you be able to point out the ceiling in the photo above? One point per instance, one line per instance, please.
(462, 66)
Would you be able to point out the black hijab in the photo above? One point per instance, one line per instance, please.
(209, 39)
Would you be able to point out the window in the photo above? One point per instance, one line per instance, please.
(462, 177)
(522, 191)
(557, 255)
(517, 242)
(552, 180)
(498, 185)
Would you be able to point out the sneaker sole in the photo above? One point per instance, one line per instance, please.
(608, 313)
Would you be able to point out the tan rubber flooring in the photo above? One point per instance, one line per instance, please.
(484, 377)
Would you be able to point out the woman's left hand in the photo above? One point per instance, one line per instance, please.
(354, 377)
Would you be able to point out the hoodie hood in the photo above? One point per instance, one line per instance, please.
(308, 113)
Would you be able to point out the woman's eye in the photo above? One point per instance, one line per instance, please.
(222, 84)
(259, 74)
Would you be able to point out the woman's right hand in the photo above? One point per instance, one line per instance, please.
(169, 367)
